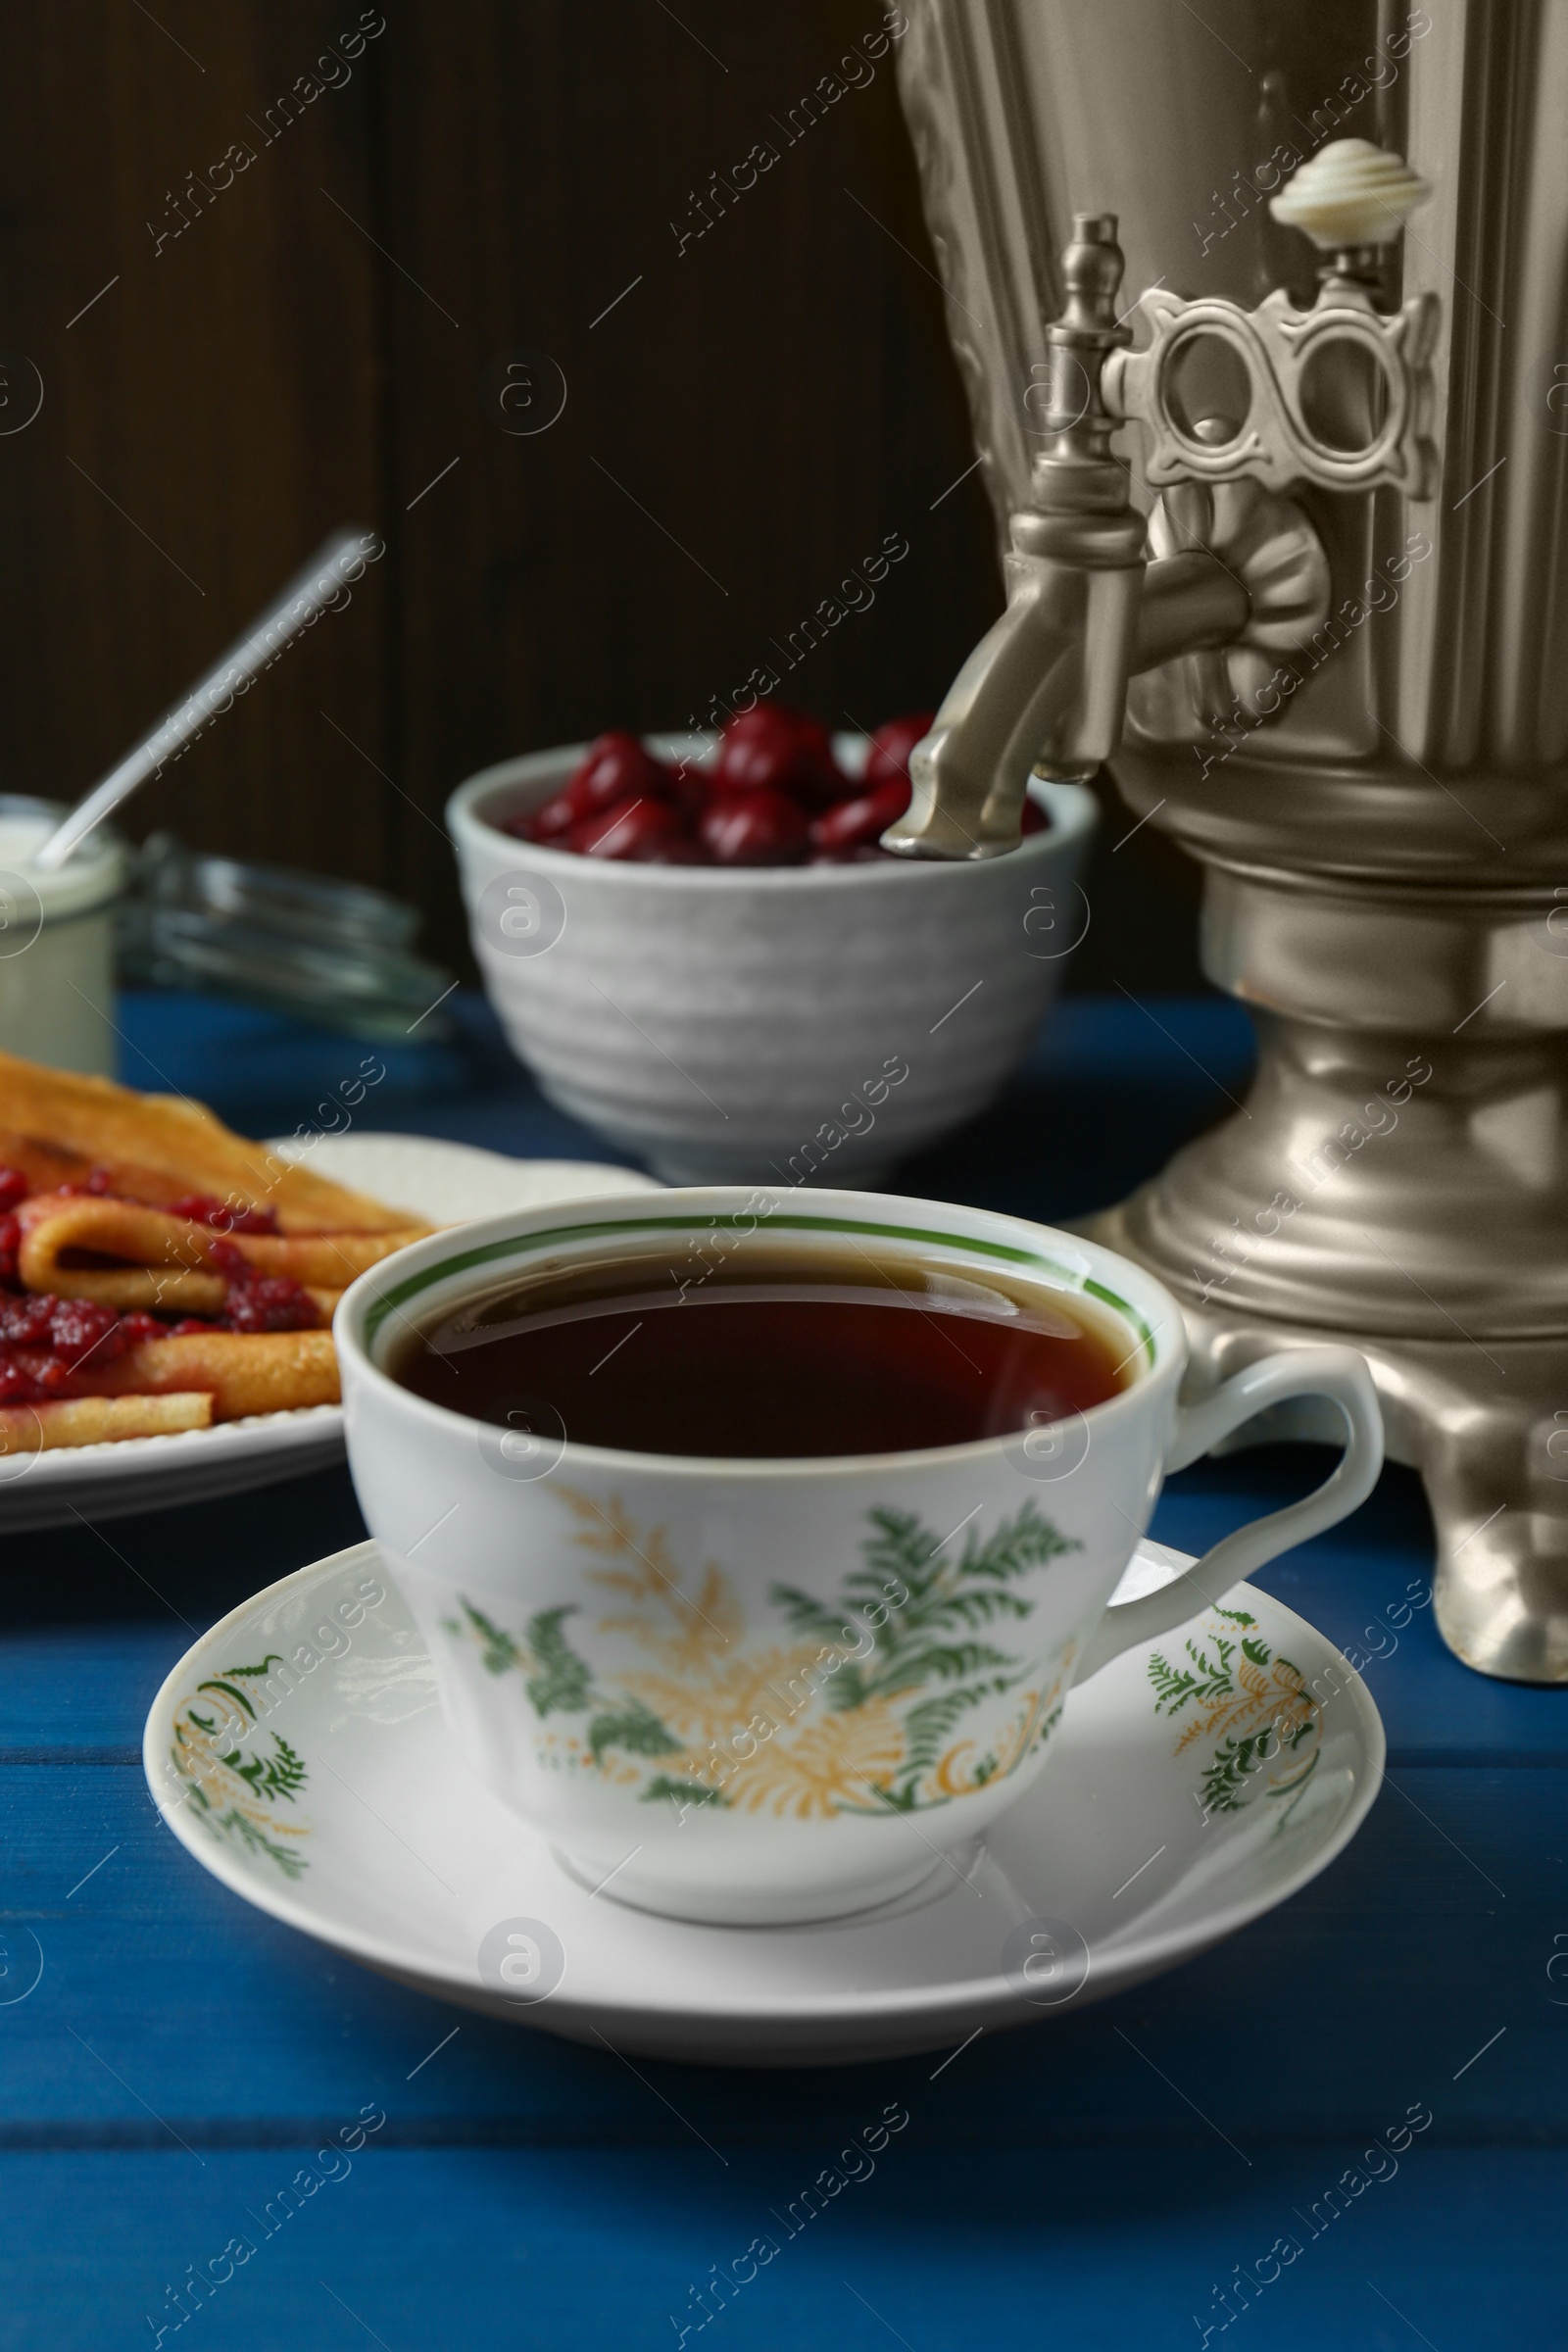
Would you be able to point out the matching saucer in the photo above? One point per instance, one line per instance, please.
(1195, 1784)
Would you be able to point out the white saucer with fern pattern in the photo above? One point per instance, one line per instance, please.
(299, 1752)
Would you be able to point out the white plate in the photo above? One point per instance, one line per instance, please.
(449, 1183)
(347, 1813)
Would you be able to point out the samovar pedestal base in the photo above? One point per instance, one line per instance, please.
(1486, 1427)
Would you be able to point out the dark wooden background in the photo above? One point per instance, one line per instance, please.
(741, 428)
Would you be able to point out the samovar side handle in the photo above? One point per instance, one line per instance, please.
(1351, 199)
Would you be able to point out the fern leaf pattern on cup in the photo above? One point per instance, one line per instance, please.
(853, 1704)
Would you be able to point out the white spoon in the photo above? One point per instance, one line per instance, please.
(342, 559)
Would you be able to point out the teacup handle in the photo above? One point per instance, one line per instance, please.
(1337, 1373)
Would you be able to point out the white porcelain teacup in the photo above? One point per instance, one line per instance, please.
(766, 1691)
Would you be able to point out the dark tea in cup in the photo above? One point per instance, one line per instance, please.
(776, 1354)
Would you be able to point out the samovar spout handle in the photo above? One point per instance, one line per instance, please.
(1045, 691)
(1046, 686)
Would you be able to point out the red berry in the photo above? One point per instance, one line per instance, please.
(269, 1303)
(1034, 819)
(773, 748)
(190, 1325)
(631, 829)
(10, 1243)
(759, 827)
(762, 723)
(80, 1327)
(855, 824)
(688, 786)
(892, 744)
(27, 1377)
(25, 1320)
(138, 1325)
(617, 767)
(553, 822)
(14, 1189)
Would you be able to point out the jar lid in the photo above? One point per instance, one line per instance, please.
(321, 949)
(90, 875)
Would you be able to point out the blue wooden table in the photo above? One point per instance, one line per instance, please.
(1113, 2179)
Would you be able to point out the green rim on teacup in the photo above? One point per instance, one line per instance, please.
(557, 1235)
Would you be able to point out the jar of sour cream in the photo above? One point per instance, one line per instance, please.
(57, 942)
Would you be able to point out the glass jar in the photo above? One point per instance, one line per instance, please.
(57, 942)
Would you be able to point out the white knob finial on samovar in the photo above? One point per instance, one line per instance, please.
(1350, 193)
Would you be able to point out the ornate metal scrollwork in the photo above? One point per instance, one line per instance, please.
(1278, 345)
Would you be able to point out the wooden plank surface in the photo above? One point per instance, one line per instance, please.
(417, 2249)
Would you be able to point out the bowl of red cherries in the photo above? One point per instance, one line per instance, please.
(699, 945)
(772, 791)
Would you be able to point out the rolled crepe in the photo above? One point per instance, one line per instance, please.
(240, 1372)
(125, 1256)
(95, 1420)
(55, 1126)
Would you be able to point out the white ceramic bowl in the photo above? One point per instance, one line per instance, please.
(810, 1024)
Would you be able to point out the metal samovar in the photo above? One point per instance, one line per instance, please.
(1305, 605)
